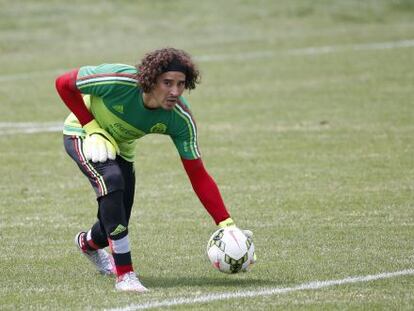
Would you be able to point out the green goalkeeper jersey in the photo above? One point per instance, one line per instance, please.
(112, 94)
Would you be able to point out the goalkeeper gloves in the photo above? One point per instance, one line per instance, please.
(98, 145)
(230, 223)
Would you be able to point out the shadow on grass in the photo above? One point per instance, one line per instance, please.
(230, 281)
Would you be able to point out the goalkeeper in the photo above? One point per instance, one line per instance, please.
(113, 105)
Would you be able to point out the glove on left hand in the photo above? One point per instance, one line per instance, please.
(98, 145)
(97, 149)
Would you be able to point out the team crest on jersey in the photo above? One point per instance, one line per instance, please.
(159, 128)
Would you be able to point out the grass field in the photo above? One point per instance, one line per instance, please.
(306, 122)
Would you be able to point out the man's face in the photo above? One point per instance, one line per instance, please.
(170, 85)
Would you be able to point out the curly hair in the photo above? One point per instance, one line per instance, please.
(156, 62)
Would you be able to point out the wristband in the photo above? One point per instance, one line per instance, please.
(227, 223)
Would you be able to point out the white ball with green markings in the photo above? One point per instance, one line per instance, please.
(230, 250)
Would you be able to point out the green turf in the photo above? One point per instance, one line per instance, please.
(313, 152)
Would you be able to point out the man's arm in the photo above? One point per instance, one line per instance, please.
(99, 145)
(207, 191)
(72, 97)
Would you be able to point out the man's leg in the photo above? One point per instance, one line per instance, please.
(114, 213)
(128, 172)
(112, 216)
(108, 183)
(97, 232)
(97, 236)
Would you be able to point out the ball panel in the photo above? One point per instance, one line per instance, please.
(230, 251)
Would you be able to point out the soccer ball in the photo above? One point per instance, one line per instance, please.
(230, 250)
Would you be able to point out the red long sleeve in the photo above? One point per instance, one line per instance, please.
(206, 189)
(66, 87)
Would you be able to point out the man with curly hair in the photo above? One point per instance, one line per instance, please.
(112, 106)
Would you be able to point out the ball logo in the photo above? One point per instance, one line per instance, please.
(159, 128)
(230, 250)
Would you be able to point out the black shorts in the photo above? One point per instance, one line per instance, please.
(107, 177)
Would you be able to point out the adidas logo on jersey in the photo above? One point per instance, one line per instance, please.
(119, 108)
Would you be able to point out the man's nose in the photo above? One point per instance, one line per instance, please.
(174, 91)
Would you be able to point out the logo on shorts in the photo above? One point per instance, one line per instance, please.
(159, 128)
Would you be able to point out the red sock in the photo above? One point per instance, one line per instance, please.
(122, 255)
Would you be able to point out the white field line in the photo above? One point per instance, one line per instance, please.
(30, 75)
(308, 51)
(251, 55)
(354, 47)
(9, 128)
(262, 292)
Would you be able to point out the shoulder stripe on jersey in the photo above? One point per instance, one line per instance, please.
(185, 108)
(186, 115)
(107, 79)
(114, 74)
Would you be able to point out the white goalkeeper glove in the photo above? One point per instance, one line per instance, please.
(230, 223)
(98, 145)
